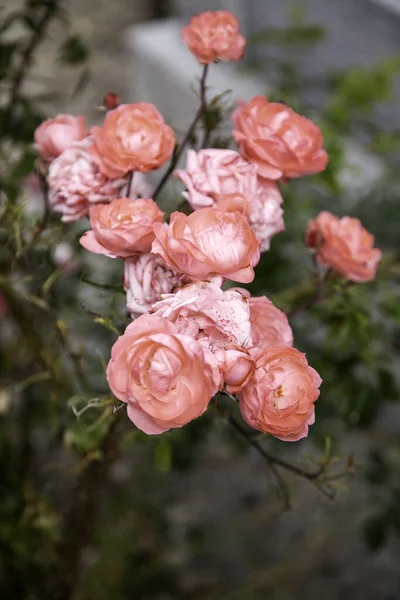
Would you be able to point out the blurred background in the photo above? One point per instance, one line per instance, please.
(90, 508)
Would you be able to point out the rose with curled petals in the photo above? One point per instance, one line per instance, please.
(223, 179)
(345, 246)
(214, 35)
(76, 183)
(280, 142)
(217, 318)
(160, 374)
(122, 228)
(237, 366)
(208, 244)
(134, 137)
(146, 279)
(279, 398)
(54, 136)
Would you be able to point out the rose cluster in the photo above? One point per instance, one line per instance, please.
(191, 337)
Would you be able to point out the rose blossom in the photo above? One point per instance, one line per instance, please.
(277, 140)
(134, 137)
(344, 245)
(204, 311)
(161, 375)
(53, 136)
(222, 178)
(146, 278)
(122, 228)
(238, 368)
(208, 243)
(279, 399)
(220, 321)
(212, 36)
(75, 183)
(269, 325)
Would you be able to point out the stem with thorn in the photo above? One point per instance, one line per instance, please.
(180, 148)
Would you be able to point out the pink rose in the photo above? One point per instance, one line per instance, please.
(75, 183)
(279, 398)
(266, 214)
(269, 325)
(208, 243)
(277, 140)
(214, 36)
(344, 245)
(214, 172)
(238, 368)
(122, 228)
(134, 137)
(146, 278)
(161, 375)
(216, 318)
(54, 136)
(222, 178)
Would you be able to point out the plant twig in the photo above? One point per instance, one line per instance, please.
(25, 63)
(179, 150)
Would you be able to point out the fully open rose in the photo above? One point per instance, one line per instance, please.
(146, 278)
(161, 374)
(134, 137)
(214, 36)
(344, 245)
(123, 227)
(223, 179)
(76, 183)
(277, 140)
(208, 244)
(279, 398)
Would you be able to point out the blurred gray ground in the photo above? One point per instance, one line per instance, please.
(249, 547)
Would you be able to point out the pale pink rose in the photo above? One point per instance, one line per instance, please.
(237, 366)
(75, 183)
(279, 398)
(216, 318)
(134, 137)
(122, 228)
(146, 278)
(208, 243)
(269, 325)
(345, 246)
(215, 172)
(222, 178)
(161, 375)
(266, 214)
(280, 142)
(214, 35)
(54, 136)
(219, 321)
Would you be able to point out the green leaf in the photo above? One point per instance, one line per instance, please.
(73, 51)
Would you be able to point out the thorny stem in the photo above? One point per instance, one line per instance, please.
(273, 461)
(25, 63)
(179, 150)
